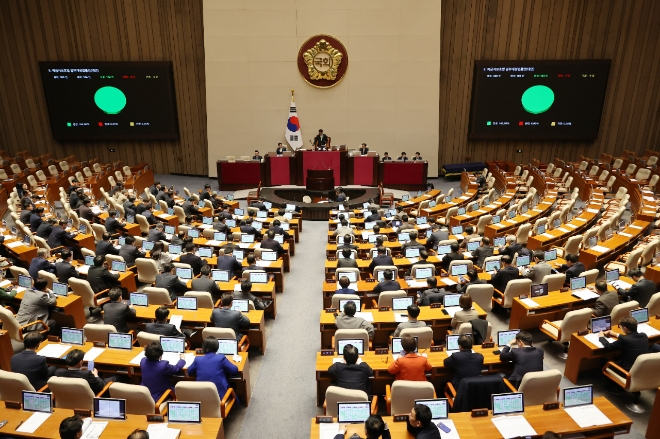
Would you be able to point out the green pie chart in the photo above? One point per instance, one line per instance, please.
(537, 99)
(110, 99)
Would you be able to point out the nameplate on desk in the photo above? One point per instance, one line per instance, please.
(169, 305)
(563, 289)
(99, 344)
(365, 258)
(436, 305)
(477, 413)
(408, 278)
(330, 281)
(53, 339)
(550, 405)
(399, 256)
(382, 351)
(12, 404)
(331, 310)
(444, 274)
(83, 413)
(400, 418)
(523, 296)
(155, 418)
(199, 351)
(583, 332)
(437, 348)
(324, 419)
(488, 344)
(370, 280)
(332, 259)
(384, 308)
(327, 352)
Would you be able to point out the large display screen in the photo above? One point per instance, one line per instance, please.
(110, 99)
(561, 99)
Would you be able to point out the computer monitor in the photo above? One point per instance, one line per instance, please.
(550, 255)
(452, 341)
(412, 252)
(173, 344)
(290, 207)
(82, 229)
(396, 223)
(257, 225)
(37, 402)
(365, 206)
(89, 260)
(423, 273)
(405, 197)
(259, 277)
(110, 408)
(401, 303)
(241, 305)
(26, 240)
(505, 337)
(403, 237)
(147, 245)
(230, 223)
(184, 273)
(473, 245)
(239, 212)
(73, 336)
(492, 265)
(219, 236)
(540, 230)
(139, 299)
(351, 275)
(262, 214)
(593, 241)
(184, 412)
(456, 230)
(507, 403)
(511, 214)
(420, 220)
(170, 230)
(205, 252)
(432, 204)
(130, 219)
(247, 239)
(641, 315)
(24, 281)
(353, 412)
(118, 340)
(189, 303)
(459, 269)
(608, 234)
(60, 289)
(174, 249)
(524, 208)
(577, 283)
(268, 205)
(444, 249)
(369, 225)
(227, 346)
(220, 275)
(439, 407)
(450, 300)
(358, 343)
(611, 275)
(496, 219)
(578, 395)
(396, 345)
(122, 240)
(343, 302)
(207, 220)
(279, 238)
(272, 256)
(461, 211)
(499, 241)
(193, 233)
(238, 254)
(539, 290)
(380, 275)
(372, 238)
(285, 226)
(601, 324)
(170, 211)
(556, 223)
(522, 261)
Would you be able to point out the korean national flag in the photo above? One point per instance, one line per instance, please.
(292, 133)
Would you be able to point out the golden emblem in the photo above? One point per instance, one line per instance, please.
(322, 61)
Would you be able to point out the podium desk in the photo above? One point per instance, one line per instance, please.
(407, 175)
(279, 169)
(239, 174)
(363, 170)
(320, 180)
(313, 160)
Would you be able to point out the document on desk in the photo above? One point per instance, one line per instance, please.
(599, 249)
(83, 269)
(369, 317)
(635, 227)
(33, 422)
(416, 284)
(328, 431)
(176, 321)
(400, 318)
(94, 430)
(212, 242)
(581, 219)
(593, 339)
(548, 235)
(137, 358)
(621, 284)
(91, 354)
(459, 236)
(513, 426)
(530, 303)
(592, 210)
(451, 310)
(453, 434)
(54, 350)
(448, 281)
(563, 230)
(263, 264)
(162, 431)
(627, 235)
(14, 244)
(648, 330)
(5, 283)
(585, 294)
(587, 416)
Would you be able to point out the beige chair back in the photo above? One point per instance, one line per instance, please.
(514, 289)
(540, 387)
(483, 222)
(622, 310)
(221, 333)
(50, 277)
(97, 332)
(98, 230)
(491, 258)
(523, 233)
(649, 251)
(143, 223)
(631, 169)
(654, 305)
(71, 393)
(424, 336)
(180, 214)
(86, 252)
(81, 287)
(109, 258)
(337, 297)
(10, 324)
(481, 294)
(16, 271)
(644, 373)
(146, 338)
(351, 334)
(633, 259)
(147, 270)
(555, 281)
(404, 394)
(204, 298)
(591, 275)
(158, 296)
(385, 298)
(385, 268)
(572, 245)
(12, 385)
(335, 394)
(617, 164)
(202, 391)
(138, 399)
(347, 270)
(574, 321)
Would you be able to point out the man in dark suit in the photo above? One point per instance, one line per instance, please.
(347, 242)
(64, 269)
(482, 252)
(252, 263)
(40, 263)
(349, 374)
(129, 206)
(280, 149)
(148, 214)
(382, 258)
(116, 312)
(45, 228)
(112, 224)
(419, 423)
(631, 343)
(140, 207)
(525, 359)
(344, 283)
(321, 140)
(433, 294)
(472, 279)
(403, 157)
(572, 267)
(35, 219)
(206, 194)
(226, 317)
(363, 149)
(84, 211)
(278, 230)
(59, 236)
(73, 187)
(641, 291)
(205, 283)
(512, 248)
(221, 226)
(386, 157)
(269, 243)
(454, 255)
(256, 155)
(413, 243)
(76, 197)
(375, 216)
(418, 157)
(388, 284)
(190, 207)
(439, 234)
(157, 233)
(190, 258)
(26, 213)
(170, 281)
(507, 273)
(178, 238)
(345, 261)
(259, 204)
(156, 188)
(537, 272)
(130, 252)
(105, 247)
(99, 277)
(606, 301)
(246, 294)
(74, 362)
(246, 227)
(161, 327)
(464, 362)
(36, 305)
(228, 262)
(30, 364)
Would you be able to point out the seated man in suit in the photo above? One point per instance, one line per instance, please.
(507, 273)
(410, 365)
(228, 262)
(472, 279)
(280, 216)
(468, 236)
(35, 219)
(205, 283)
(347, 320)
(512, 248)
(277, 228)
(433, 294)
(280, 149)
(26, 212)
(439, 234)
(206, 193)
(246, 227)
(606, 302)
(190, 208)
(363, 149)
(84, 211)
(538, 271)
(388, 284)
(211, 367)
(148, 214)
(345, 261)
(464, 362)
(349, 373)
(525, 359)
(413, 243)
(74, 362)
(344, 229)
(179, 237)
(190, 258)
(252, 263)
(257, 156)
(419, 423)
(161, 327)
(572, 267)
(405, 224)
(40, 263)
(130, 251)
(129, 206)
(140, 207)
(225, 317)
(116, 312)
(157, 233)
(59, 236)
(413, 313)
(422, 260)
(454, 255)
(270, 243)
(246, 294)
(112, 224)
(347, 243)
(99, 276)
(259, 204)
(344, 283)
(382, 258)
(403, 157)
(36, 305)
(221, 226)
(64, 269)
(170, 281)
(30, 364)
(482, 252)
(631, 343)
(375, 216)
(418, 157)
(641, 291)
(156, 188)
(46, 227)
(105, 247)
(386, 157)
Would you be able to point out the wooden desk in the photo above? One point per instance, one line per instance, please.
(653, 429)
(6, 351)
(274, 267)
(510, 226)
(483, 428)
(402, 264)
(617, 244)
(490, 209)
(441, 209)
(126, 279)
(413, 203)
(171, 220)
(209, 427)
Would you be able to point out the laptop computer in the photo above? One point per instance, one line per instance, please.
(89, 260)
(272, 256)
(118, 340)
(147, 245)
(247, 239)
(110, 408)
(37, 402)
(593, 241)
(578, 395)
(369, 225)
(556, 223)
(491, 266)
(286, 226)
(439, 407)
(24, 281)
(401, 303)
(420, 220)
(193, 233)
(220, 275)
(351, 275)
(82, 229)
(219, 236)
(452, 341)
(170, 211)
(539, 290)
(496, 219)
(189, 303)
(396, 345)
(290, 207)
(239, 212)
(205, 252)
(230, 223)
(343, 302)
(456, 230)
(444, 249)
(641, 315)
(207, 220)
(412, 252)
(550, 255)
(601, 324)
(119, 266)
(473, 245)
(262, 214)
(578, 283)
(459, 269)
(540, 230)
(353, 412)
(227, 346)
(170, 230)
(184, 273)
(423, 273)
(238, 254)
(505, 337)
(499, 241)
(461, 211)
(259, 277)
(279, 238)
(358, 343)
(73, 336)
(184, 412)
(241, 305)
(450, 300)
(121, 240)
(522, 261)
(508, 403)
(405, 197)
(511, 214)
(611, 275)
(173, 344)
(403, 237)
(60, 289)
(139, 299)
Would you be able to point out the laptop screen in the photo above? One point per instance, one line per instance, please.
(170, 230)
(396, 223)
(461, 211)
(432, 204)
(472, 246)
(505, 337)
(524, 208)
(403, 237)
(257, 225)
(439, 407)
(241, 305)
(372, 238)
(184, 412)
(174, 249)
(219, 236)
(358, 343)
(499, 241)
(611, 275)
(551, 255)
(121, 240)
(110, 408)
(506, 403)
(421, 220)
(452, 341)
(450, 300)
(82, 229)
(412, 253)
(396, 345)
(423, 273)
(279, 238)
(601, 324)
(521, 261)
(227, 346)
(401, 303)
(239, 212)
(444, 249)
(405, 197)
(247, 238)
(170, 211)
(37, 402)
(369, 225)
(496, 219)
(220, 275)
(511, 214)
(492, 265)
(130, 219)
(238, 254)
(262, 214)
(539, 290)
(186, 303)
(271, 256)
(579, 395)
(205, 252)
(73, 336)
(139, 299)
(641, 315)
(259, 277)
(578, 282)
(459, 269)
(26, 238)
(230, 223)
(60, 289)
(193, 233)
(291, 207)
(173, 344)
(456, 230)
(540, 229)
(353, 412)
(89, 260)
(24, 281)
(285, 226)
(593, 241)
(147, 245)
(556, 223)
(118, 340)
(184, 273)
(119, 266)
(351, 275)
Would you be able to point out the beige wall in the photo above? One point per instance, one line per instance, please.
(389, 97)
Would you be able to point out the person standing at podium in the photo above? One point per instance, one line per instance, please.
(363, 149)
(280, 149)
(321, 141)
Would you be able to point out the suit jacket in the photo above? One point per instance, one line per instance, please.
(352, 376)
(95, 383)
(31, 365)
(194, 261)
(208, 285)
(100, 278)
(462, 288)
(35, 222)
(130, 253)
(44, 230)
(112, 225)
(432, 295)
(214, 368)
(117, 314)
(527, 359)
(380, 260)
(129, 208)
(105, 248)
(430, 432)
(40, 264)
(156, 235)
(605, 303)
(574, 271)
(480, 254)
(537, 272)
(250, 231)
(387, 285)
(511, 250)
(344, 291)
(229, 318)
(171, 283)
(449, 257)
(25, 217)
(465, 364)
(149, 216)
(58, 237)
(189, 209)
(410, 367)
(227, 262)
(140, 208)
(65, 271)
(271, 244)
(346, 263)
(371, 218)
(351, 322)
(641, 291)
(156, 375)
(86, 213)
(221, 227)
(411, 244)
(35, 306)
(631, 346)
(341, 231)
(436, 237)
(503, 276)
(463, 316)
(166, 329)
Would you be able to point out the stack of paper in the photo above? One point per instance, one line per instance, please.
(530, 303)
(14, 244)
(83, 269)
(513, 426)
(263, 264)
(599, 249)
(585, 294)
(400, 318)
(587, 416)
(453, 434)
(369, 317)
(91, 354)
(328, 431)
(54, 350)
(593, 339)
(563, 230)
(33, 422)
(94, 430)
(416, 284)
(451, 310)
(211, 242)
(448, 281)
(648, 330)
(176, 321)
(548, 235)
(137, 358)
(162, 431)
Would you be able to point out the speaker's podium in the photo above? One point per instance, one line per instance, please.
(320, 180)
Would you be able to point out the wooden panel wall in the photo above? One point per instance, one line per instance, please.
(626, 31)
(103, 30)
